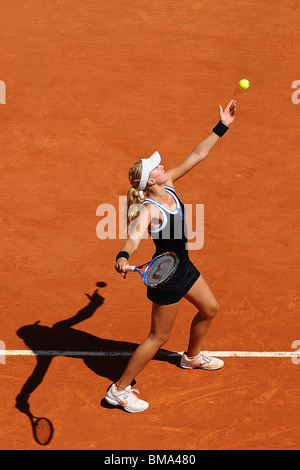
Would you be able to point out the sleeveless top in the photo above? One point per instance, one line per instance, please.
(171, 235)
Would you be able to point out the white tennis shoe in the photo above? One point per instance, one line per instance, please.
(126, 398)
(202, 361)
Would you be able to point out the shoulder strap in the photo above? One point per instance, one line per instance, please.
(179, 204)
(170, 189)
(163, 213)
(159, 206)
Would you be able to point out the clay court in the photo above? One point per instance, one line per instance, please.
(91, 87)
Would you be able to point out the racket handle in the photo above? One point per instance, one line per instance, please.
(130, 268)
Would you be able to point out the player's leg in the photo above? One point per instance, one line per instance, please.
(163, 317)
(203, 299)
(162, 320)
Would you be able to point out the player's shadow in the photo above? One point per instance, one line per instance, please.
(105, 357)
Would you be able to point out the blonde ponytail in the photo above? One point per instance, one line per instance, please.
(134, 199)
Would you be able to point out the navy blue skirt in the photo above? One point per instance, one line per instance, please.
(175, 288)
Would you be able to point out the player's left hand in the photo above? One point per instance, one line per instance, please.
(227, 116)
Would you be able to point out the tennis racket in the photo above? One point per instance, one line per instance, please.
(159, 270)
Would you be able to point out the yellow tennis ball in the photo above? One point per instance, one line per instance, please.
(244, 83)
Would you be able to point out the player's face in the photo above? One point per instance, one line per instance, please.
(159, 174)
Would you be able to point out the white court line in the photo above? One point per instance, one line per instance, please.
(26, 352)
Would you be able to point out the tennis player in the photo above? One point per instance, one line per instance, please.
(153, 205)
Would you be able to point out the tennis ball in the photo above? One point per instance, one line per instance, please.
(244, 83)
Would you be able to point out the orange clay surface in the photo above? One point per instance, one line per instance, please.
(92, 86)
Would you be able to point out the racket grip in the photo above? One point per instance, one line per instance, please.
(130, 268)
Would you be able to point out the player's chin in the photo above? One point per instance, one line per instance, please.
(165, 178)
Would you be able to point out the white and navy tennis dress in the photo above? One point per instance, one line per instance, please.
(171, 235)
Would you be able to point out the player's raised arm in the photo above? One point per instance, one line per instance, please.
(203, 148)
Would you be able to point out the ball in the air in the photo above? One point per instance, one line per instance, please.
(244, 83)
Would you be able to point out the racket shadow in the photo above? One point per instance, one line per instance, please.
(42, 428)
(105, 357)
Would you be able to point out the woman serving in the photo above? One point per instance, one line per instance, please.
(153, 205)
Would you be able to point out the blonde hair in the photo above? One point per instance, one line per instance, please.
(134, 199)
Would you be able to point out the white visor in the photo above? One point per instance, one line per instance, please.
(148, 164)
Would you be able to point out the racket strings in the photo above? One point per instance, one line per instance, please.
(161, 270)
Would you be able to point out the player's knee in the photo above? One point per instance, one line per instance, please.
(214, 309)
(160, 339)
(210, 311)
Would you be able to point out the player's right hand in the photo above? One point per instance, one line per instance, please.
(120, 266)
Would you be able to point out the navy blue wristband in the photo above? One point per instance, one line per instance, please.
(220, 129)
(122, 254)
